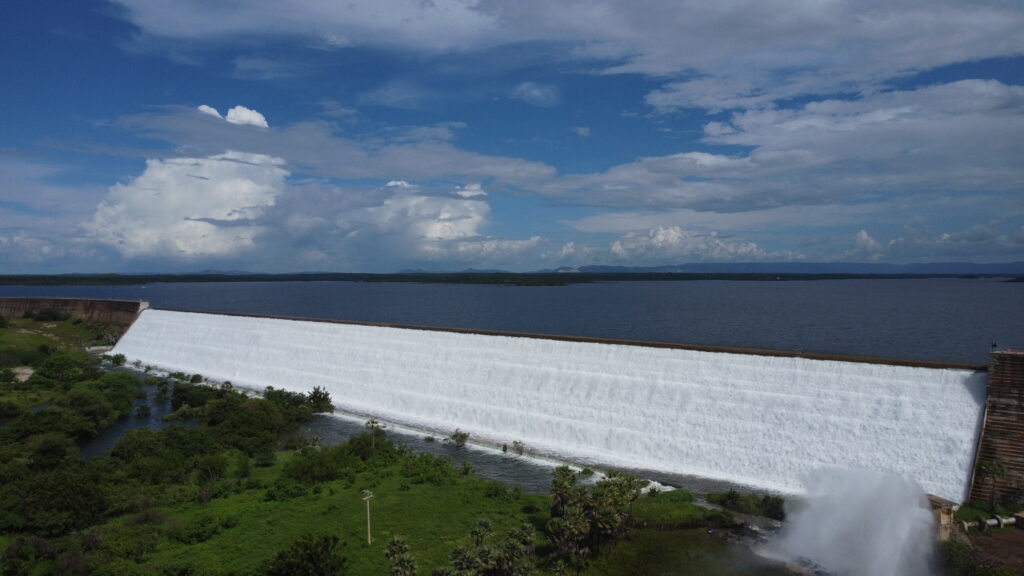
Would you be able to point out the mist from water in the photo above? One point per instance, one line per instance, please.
(862, 523)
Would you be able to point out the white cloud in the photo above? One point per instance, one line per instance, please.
(962, 136)
(318, 150)
(190, 207)
(541, 95)
(398, 222)
(677, 244)
(581, 131)
(210, 110)
(470, 191)
(718, 55)
(243, 115)
(865, 248)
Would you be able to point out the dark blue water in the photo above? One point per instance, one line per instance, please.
(158, 408)
(951, 320)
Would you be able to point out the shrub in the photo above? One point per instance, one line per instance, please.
(264, 458)
(49, 315)
(284, 489)
(118, 359)
(9, 409)
(310, 555)
(201, 529)
(7, 376)
(69, 367)
(458, 438)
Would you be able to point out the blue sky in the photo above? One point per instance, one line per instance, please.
(299, 135)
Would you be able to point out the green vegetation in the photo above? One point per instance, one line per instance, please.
(238, 490)
(760, 505)
(458, 438)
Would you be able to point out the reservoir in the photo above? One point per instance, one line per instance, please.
(940, 319)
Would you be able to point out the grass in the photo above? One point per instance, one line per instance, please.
(675, 509)
(691, 552)
(433, 519)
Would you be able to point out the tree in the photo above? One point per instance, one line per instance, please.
(376, 429)
(320, 400)
(402, 562)
(510, 556)
(310, 555)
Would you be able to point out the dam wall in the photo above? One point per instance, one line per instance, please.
(120, 311)
(761, 420)
(1003, 440)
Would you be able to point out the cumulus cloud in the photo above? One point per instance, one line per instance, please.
(865, 248)
(674, 243)
(541, 95)
(209, 110)
(246, 116)
(190, 207)
(237, 115)
(398, 223)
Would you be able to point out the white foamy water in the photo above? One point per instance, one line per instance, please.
(758, 420)
(862, 523)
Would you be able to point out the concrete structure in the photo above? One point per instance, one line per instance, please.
(766, 420)
(1002, 438)
(122, 311)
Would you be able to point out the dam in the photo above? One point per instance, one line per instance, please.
(766, 420)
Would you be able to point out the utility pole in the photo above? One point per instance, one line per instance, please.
(367, 496)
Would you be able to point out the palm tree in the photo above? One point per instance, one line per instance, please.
(376, 429)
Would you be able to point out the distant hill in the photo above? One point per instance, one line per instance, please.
(929, 268)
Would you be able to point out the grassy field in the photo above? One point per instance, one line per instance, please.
(689, 552)
(432, 518)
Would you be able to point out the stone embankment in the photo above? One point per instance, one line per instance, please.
(121, 311)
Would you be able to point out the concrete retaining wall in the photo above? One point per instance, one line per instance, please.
(123, 311)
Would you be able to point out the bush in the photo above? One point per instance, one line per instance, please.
(9, 409)
(310, 555)
(68, 367)
(765, 505)
(201, 529)
(49, 315)
(264, 458)
(118, 359)
(284, 489)
(458, 438)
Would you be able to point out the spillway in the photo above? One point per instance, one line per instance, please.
(765, 421)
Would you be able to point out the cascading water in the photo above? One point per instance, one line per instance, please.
(861, 523)
(764, 421)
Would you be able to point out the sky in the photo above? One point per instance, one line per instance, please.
(386, 135)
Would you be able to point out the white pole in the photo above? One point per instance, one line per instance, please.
(367, 496)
